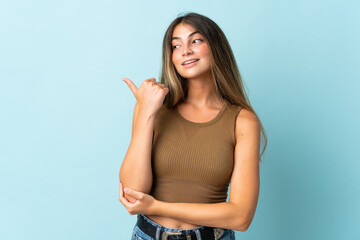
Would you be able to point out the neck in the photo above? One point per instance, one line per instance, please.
(202, 92)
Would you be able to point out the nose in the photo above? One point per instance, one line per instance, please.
(187, 50)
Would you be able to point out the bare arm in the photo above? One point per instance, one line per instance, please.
(136, 171)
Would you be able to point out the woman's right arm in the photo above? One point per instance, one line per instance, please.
(136, 171)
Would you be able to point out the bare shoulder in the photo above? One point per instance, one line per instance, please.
(247, 123)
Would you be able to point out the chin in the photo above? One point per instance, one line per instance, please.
(190, 76)
(194, 75)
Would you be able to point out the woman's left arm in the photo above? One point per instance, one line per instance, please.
(237, 214)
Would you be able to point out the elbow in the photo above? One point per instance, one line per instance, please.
(242, 227)
(243, 224)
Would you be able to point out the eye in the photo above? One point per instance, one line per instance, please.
(174, 47)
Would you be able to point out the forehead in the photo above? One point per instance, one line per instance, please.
(182, 30)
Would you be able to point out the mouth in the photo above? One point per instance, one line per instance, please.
(190, 63)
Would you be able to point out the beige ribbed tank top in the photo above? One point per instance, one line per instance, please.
(193, 162)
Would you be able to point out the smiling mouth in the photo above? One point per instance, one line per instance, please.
(188, 64)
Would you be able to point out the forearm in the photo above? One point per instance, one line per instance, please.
(136, 171)
(223, 215)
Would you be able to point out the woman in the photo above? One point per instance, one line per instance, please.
(193, 134)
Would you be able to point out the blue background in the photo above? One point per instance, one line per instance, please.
(65, 113)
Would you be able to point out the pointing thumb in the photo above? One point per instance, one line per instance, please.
(131, 85)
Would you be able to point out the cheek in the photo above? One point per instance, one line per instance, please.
(176, 60)
(205, 51)
(173, 59)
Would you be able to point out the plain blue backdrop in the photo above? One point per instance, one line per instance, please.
(65, 113)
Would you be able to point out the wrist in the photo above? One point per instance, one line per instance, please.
(156, 206)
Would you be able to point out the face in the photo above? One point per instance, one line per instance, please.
(187, 44)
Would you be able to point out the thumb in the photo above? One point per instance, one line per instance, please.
(131, 85)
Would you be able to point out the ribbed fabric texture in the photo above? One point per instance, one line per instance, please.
(193, 162)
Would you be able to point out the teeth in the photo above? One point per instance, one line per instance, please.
(190, 61)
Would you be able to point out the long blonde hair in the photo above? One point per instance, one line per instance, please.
(226, 75)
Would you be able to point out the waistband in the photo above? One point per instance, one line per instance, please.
(160, 232)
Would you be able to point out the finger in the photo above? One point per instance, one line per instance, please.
(159, 84)
(133, 193)
(121, 190)
(123, 200)
(131, 85)
(152, 80)
(121, 194)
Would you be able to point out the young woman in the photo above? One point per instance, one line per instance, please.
(193, 134)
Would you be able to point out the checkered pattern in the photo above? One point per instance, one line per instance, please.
(218, 232)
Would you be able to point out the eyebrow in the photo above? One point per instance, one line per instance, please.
(173, 38)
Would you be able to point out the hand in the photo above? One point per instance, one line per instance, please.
(150, 95)
(144, 203)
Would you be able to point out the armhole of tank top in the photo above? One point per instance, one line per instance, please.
(238, 109)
